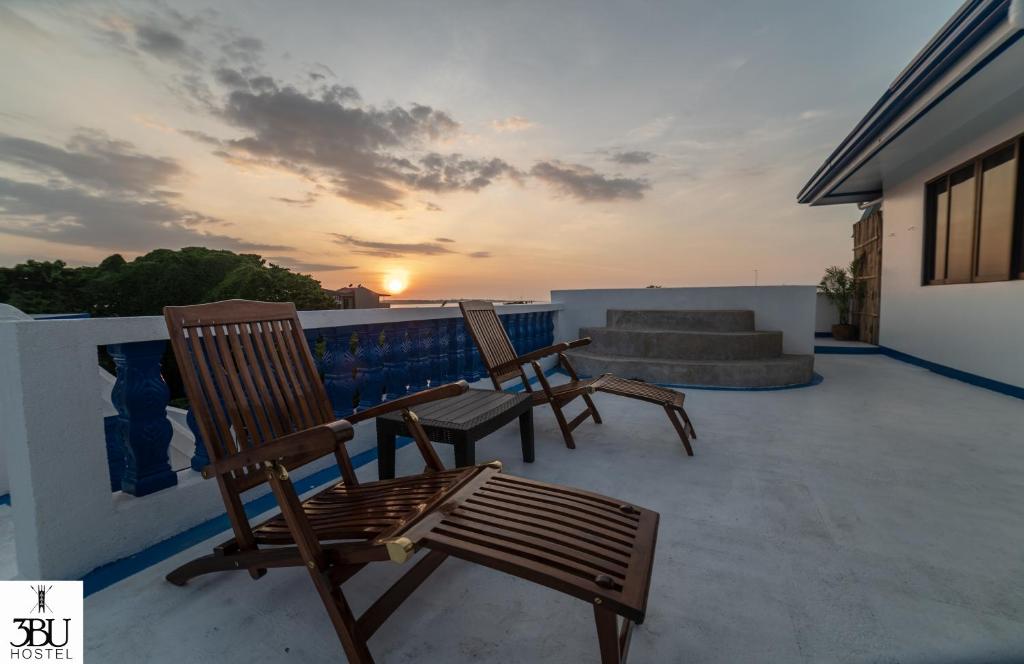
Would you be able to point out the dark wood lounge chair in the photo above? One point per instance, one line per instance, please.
(499, 358)
(263, 412)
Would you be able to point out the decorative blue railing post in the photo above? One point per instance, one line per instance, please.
(439, 374)
(200, 458)
(532, 330)
(522, 340)
(140, 396)
(339, 380)
(422, 352)
(548, 327)
(396, 368)
(371, 365)
(457, 348)
(312, 338)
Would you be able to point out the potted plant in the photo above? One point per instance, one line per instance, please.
(841, 286)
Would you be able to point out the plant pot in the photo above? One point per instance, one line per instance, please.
(844, 332)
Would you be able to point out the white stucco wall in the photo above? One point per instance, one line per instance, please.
(825, 314)
(791, 309)
(970, 327)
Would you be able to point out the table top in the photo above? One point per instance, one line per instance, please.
(468, 410)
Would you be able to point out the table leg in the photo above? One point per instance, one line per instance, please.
(385, 454)
(465, 453)
(526, 435)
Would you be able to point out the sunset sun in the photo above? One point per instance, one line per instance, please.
(396, 283)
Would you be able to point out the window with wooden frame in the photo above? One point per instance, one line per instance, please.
(974, 229)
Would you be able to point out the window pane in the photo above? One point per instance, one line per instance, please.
(961, 224)
(995, 232)
(939, 202)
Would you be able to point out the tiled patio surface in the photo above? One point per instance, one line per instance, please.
(876, 517)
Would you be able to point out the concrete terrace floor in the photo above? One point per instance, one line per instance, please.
(876, 517)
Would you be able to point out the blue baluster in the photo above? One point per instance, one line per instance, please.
(200, 458)
(522, 342)
(439, 360)
(422, 341)
(457, 348)
(371, 366)
(408, 342)
(532, 331)
(394, 361)
(548, 327)
(338, 370)
(140, 396)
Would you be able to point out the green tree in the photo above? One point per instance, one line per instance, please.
(144, 286)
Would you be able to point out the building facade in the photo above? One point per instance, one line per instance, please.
(941, 153)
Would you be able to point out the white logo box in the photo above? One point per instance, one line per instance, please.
(41, 621)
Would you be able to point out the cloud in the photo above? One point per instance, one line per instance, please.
(159, 42)
(303, 266)
(306, 201)
(432, 207)
(586, 184)
(72, 215)
(328, 137)
(441, 173)
(632, 157)
(480, 254)
(100, 192)
(443, 239)
(93, 159)
(813, 114)
(391, 249)
(512, 123)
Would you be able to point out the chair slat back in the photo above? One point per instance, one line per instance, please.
(491, 339)
(249, 377)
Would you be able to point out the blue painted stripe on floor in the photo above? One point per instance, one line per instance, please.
(111, 573)
(5, 499)
(955, 374)
(823, 335)
(847, 350)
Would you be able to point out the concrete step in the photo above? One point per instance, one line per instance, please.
(683, 345)
(691, 320)
(772, 372)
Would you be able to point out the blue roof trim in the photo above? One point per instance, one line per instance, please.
(972, 22)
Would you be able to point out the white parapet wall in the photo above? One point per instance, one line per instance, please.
(66, 519)
(790, 309)
(826, 315)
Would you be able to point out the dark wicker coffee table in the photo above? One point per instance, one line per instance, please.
(458, 421)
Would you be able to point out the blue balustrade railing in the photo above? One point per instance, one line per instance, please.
(360, 365)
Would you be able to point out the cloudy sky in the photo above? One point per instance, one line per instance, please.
(488, 149)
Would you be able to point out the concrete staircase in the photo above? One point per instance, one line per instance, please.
(690, 347)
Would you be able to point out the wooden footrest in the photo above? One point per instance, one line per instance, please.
(596, 548)
(636, 389)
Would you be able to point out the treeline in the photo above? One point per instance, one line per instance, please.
(142, 287)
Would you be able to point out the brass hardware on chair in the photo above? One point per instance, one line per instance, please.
(399, 549)
(495, 464)
(276, 469)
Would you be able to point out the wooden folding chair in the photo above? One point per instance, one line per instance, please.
(263, 412)
(499, 358)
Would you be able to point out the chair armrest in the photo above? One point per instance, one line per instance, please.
(532, 356)
(322, 439)
(585, 341)
(425, 396)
